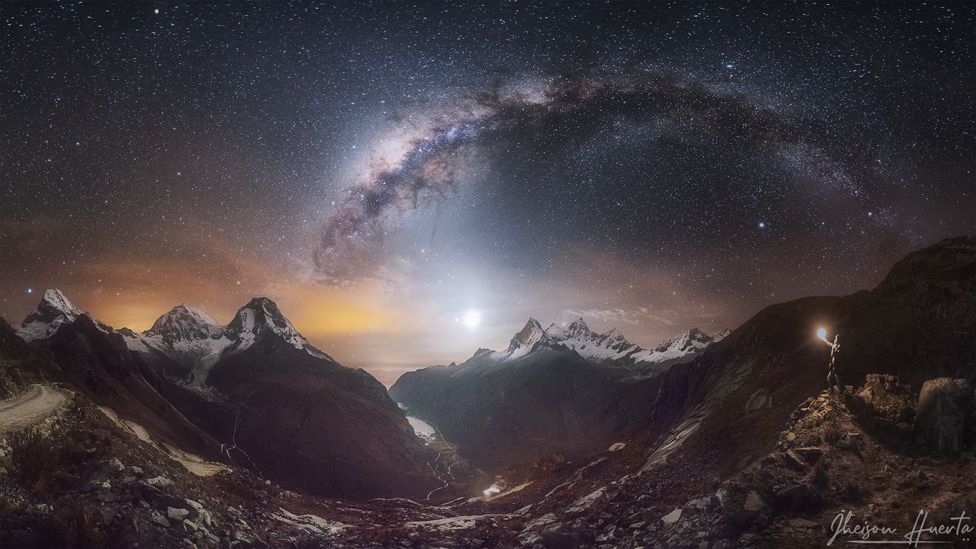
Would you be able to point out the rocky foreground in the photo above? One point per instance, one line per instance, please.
(80, 478)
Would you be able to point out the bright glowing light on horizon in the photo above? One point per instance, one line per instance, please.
(472, 319)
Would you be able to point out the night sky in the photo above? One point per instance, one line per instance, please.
(384, 171)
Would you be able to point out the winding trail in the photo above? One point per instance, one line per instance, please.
(452, 451)
(32, 406)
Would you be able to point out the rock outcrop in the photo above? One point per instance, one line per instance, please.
(945, 413)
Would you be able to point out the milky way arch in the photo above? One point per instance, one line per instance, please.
(566, 113)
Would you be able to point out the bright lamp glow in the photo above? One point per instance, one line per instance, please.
(822, 333)
(471, 319)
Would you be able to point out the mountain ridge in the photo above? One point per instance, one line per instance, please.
(609, 347)
(256, 385)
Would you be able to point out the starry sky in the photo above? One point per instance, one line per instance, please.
(411, 180)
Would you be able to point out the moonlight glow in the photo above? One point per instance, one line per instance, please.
(471, 319)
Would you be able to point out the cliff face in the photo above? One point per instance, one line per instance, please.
(499, 415)
(317, 426)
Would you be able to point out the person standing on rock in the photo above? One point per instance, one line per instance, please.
(832, 378)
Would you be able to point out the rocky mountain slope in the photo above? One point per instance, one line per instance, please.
(501, 414)
(722, 415)
(254, 393)
(561, 390)
(69, 346)
(706, 423)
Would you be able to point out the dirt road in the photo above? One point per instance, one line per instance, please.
(33, 406)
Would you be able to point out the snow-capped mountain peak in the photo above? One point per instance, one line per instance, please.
(197, 341)
(615, 335)
(610, 347)
(590, 345)
(261, 315)
(574, 329)
(55, 300)
(54, 311)
(185, 322)
(693, 338)
(679, 348)
(527, 339)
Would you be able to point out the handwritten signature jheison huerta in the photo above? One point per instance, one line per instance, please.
(845, 529)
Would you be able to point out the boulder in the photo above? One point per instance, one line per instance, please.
(188, 527)
(159, 519)
(201, 515)
(114, 465)
(742, 508)
(944, 413)
(884, 397)
(157, 498)
(672, 517)
(176, 513)
(160, 482)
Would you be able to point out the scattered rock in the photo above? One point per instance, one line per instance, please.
(159, 519)
(810, 454)
(743, 509)
(159, 482)
(114, 466)
(41, 508)
(794, 460)
(672, 517)
(883, 396)
(93, 485)
(203, 517)
(176, 513)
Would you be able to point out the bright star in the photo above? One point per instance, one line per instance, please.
(762, 224)
(30, 290)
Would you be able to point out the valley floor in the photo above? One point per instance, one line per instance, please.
(77, 478)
